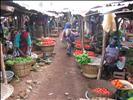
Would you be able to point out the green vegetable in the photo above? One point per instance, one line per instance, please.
(131, 98)
(129, 61)
(18, 60)
(83, 58)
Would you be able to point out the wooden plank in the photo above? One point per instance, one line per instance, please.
(3, 65)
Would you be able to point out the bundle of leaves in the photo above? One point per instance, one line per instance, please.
(83, 58)
(18, 60)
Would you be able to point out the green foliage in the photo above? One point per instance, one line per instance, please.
(129, 61)
(18, 60)
(83, 58)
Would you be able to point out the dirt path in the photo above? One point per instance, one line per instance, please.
(62, 76)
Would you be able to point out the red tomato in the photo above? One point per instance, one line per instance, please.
(90, 53)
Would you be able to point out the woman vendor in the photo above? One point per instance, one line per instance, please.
(70, 38)
(66, 27)
(22, 43)
(113, 61)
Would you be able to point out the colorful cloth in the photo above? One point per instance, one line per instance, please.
(25, 42)
(17, 40)
(67, 25)
(22, 41)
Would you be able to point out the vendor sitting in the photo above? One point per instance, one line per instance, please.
(113, 62)
(22, 43)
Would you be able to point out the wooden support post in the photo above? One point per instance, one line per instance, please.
(103, 54)
(3, 65)
(82, 32)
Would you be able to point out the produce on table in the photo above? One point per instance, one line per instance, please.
(91, 53)
(77, 52)
(18, 60)
(83, 58)
(103, 91)
(117, 83)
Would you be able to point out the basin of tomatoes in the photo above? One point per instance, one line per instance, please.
(91, 53)
(86, 46)
(48, 41)
(101, 91)
(77, 52)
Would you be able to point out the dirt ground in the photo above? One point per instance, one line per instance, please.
(61, 80)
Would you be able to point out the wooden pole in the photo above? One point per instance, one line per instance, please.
(3, 65)
(103, 54)
(82, 32)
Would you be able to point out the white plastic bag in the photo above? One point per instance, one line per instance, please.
(109, 22)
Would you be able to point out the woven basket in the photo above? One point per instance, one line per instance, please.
(6, 91)
(90, 71)
(100, 84)
(48, 49)
(22, 69)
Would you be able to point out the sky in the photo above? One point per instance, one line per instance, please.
(74, 6)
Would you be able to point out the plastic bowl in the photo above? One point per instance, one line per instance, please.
(9, 74)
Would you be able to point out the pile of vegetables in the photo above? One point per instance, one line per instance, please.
(117, 83)
(77, 52)
(86, 46)
(48, 41)
(91, 53)
(77, 41)
(18, 60)
(103, 91)
(78, 45)
(83, 58)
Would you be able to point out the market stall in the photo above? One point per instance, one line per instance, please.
(124, 89)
